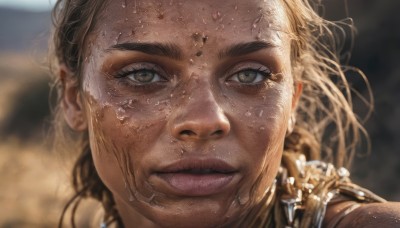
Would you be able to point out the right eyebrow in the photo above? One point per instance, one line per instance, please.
(165, 50)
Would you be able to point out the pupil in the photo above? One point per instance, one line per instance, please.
(145, 76)
(247, 76)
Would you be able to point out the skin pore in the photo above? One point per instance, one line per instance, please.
(190, 91)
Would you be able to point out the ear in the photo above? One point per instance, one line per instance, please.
(298, 89)
(71, 101)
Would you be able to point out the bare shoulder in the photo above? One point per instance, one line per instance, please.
(364, 215)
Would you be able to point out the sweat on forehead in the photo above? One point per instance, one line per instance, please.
(138, 19)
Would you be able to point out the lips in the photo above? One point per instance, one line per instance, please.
(195, 177)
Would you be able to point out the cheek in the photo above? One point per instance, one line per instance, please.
(121, 133)
(261, 126)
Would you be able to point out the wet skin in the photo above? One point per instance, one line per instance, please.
(187, 106)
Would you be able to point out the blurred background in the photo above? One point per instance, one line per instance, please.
(33, 180)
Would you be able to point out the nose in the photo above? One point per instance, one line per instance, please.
(201, 118)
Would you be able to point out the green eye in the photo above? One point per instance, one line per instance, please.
(143, 76)
(250, 76)
(247, 76)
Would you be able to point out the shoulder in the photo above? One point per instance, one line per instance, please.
(381, 215)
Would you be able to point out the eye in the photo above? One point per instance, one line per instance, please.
(251, 76)
(144, 76)
(141, 75)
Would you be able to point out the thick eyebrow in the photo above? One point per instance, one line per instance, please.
(244, 48)
(165, 50)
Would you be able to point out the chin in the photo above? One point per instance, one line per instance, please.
(191, 213)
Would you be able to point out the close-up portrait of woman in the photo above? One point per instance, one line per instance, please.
(208, 113)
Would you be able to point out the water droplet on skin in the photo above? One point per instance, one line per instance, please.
(191, 61)
(216, 15)
(256, 21)
(135, 7)
(248, 114)
(262, 128)
(121, 114)
(261, 113)
(118, 37)
(124, 4)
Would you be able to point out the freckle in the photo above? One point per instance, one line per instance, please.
(196, 36)
(199, 53)
(160, 16)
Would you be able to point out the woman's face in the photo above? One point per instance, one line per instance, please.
(187, 105)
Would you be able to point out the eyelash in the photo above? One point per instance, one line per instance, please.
(264, 71)
(123, 76)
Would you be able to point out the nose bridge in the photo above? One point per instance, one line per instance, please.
(201, 116)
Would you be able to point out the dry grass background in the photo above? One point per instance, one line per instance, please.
(34, 180)
(32, 188)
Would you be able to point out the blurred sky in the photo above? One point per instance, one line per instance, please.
(35, 5)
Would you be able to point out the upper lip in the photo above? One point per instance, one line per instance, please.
(198, 166)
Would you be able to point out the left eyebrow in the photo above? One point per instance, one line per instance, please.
(244, 48)
(166, 50)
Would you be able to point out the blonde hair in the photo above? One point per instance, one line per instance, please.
(326, 127)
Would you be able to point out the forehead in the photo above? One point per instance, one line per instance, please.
(170, 20)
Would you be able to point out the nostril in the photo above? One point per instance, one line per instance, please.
(187, 133)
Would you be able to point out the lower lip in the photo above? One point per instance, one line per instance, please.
(197, 184)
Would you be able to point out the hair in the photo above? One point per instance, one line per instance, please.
(326, 126)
